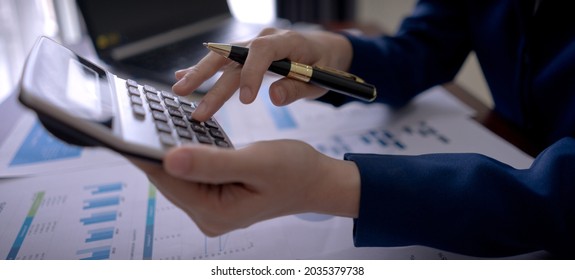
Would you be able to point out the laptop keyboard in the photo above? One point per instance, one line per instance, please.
(172, 117)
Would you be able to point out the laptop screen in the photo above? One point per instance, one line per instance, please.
(113, 23)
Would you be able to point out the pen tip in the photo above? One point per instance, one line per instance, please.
(205, 44)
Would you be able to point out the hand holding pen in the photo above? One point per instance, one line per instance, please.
(328, 78)
(321, 48)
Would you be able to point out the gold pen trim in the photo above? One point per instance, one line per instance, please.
(221, 49)
(300, 72)
(341, 73)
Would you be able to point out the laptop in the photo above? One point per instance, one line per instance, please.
(150, 40)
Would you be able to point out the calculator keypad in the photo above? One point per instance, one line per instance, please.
(172, 117)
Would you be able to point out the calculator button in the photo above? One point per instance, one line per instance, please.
(149, 88)
(167, 139)
(187, 108)
(138, 110)
(222, 143)
(163, 126)
(198, 128)
(159, 116)
(136, 100)
(131, 83)
(179, 122)
(156, 106)
(153, 97)
(182, 132)
(211, 123)
(133, 91)
(175, 112)
(167, 94)
(171, 103)
(204, 139)
(187, 102)
(216, 134)
(185, 141)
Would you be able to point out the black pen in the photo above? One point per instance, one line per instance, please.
(332, 79)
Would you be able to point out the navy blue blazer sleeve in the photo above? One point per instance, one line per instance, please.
(468, 203)
(428, 49)
(464, 203)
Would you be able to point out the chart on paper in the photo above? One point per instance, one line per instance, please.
(90, 216)
(68, 221)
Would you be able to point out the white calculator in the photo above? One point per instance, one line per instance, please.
(85, 105)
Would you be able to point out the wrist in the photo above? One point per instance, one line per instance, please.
(339, 190)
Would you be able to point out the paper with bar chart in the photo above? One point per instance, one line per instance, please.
(75, 216)
(103, 213)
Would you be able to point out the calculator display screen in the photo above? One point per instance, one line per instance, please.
(83, 89)
(73, 84)
(88, 92)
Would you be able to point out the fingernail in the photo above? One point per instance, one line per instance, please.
(245, 94)
(280, 97)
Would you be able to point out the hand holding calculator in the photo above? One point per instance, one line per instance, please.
(83, 104)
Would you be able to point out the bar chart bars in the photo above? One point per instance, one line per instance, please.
(99, 234)
(83, 215)
(101, 202)
(100, 211)
(95, 253)
(99, 217)
(104, 189)
(150, 221)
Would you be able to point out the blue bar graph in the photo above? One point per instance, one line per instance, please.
(101, 202)
(100, 234)
(102, 217)
(97, 253)
(114, 187)
(150, 220)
